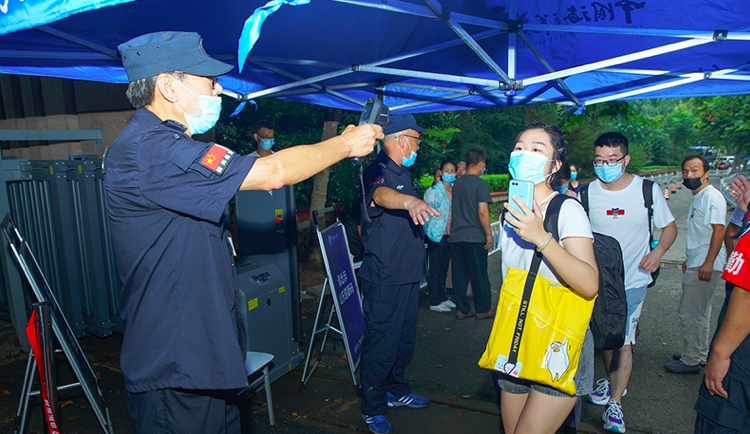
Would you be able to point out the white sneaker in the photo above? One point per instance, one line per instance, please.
(613, 418)
(600, 396)
(449, 304)
(440, 308)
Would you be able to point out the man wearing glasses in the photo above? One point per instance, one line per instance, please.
(392, 268)
(264, 138)
(183, 354)
(616, 208)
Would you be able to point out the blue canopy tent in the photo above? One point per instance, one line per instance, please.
(420, 56)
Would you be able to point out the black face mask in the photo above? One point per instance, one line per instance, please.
(692, 183)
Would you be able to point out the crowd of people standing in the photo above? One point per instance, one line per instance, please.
(615, 205)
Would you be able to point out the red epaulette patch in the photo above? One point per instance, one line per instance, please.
(376, 181)
(217, 158)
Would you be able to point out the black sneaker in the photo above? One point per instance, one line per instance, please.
(679, 367)
(678, 356)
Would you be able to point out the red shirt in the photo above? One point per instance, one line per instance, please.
(737, 270)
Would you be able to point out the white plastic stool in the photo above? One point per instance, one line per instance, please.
(255, 362)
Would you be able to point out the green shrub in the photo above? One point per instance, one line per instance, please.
(497, 182)
(653, 167)
(425, 181)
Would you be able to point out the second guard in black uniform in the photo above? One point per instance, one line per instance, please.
(392, 269)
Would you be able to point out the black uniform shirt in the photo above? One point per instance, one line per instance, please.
(394, 245)
(179, 299)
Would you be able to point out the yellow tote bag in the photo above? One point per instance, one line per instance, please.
(539, 330)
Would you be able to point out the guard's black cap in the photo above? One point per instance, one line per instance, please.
(402, 122)
(154, 53)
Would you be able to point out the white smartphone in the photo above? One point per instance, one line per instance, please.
(524, 190)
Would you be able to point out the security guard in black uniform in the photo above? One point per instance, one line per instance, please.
(392, 269)
(182, 354)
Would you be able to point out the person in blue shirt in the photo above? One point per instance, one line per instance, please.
(183, 353)
(438, 230)
(392, 268)
(575, 185)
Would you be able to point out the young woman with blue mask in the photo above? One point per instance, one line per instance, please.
(437, 230)
(575, 185)
(537, 156)
(563, 178)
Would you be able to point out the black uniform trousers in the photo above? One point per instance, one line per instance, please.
(390, 329)
(440, 257)
(470, 263)
(180, 411)
(716, 415)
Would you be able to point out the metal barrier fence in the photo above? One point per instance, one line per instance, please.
(59, 208)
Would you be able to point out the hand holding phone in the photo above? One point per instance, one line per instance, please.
(524, 191)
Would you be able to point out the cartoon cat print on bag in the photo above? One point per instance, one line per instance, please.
(557, 360)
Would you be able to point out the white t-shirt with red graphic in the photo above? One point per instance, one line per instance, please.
(622, 215)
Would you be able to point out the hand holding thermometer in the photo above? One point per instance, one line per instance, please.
(375, 112)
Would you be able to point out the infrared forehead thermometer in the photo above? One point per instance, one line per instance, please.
(375, 112)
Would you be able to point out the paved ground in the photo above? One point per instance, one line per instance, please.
(443, 368)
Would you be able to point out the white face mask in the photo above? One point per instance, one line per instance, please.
(210, 110)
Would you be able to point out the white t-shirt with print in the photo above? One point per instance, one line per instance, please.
(517, 253)
(707, 208)
(623, 215)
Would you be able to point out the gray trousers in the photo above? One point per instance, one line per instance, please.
(695, 315)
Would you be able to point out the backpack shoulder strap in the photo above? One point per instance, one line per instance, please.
(552, 216)
(648, 202)
(648, 195)
(585, 198)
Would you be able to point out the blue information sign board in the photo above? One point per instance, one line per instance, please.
(345, 292)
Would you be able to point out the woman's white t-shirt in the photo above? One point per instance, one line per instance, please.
(517, 253)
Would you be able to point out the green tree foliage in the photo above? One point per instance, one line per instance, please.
(659, 132)
(294, 123)
(493, 130)
(723, 123)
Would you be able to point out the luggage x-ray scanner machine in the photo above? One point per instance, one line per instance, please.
(268, 275)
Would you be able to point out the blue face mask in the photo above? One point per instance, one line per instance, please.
(527, 166)
(406, 162)
(608, 172)
(573, 175)
(266, 144)
(450, 179)
(562, 189)
(210, 110)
